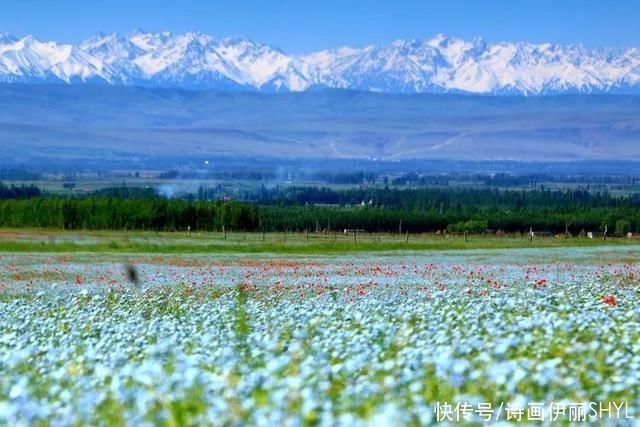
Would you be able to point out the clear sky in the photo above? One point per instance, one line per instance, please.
(305, 25)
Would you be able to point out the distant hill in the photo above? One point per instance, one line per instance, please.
(108, 122)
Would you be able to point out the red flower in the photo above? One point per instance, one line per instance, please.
(610, 300)
(540, 283)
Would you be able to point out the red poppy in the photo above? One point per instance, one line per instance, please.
(540, 283)
(610, 300)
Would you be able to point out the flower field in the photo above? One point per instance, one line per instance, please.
(330, 340)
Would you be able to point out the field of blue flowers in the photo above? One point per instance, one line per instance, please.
(342, 340)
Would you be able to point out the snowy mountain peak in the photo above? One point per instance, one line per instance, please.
(7, 38)
(438, 64)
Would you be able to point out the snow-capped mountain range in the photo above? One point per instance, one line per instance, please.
(437, 65)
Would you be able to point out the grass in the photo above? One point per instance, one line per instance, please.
(121, 242)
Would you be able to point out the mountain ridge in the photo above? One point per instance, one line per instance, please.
(100, 123)
(441, 64)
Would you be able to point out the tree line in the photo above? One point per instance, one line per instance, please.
(18, 192)
(325, 209)
(618, 220)
(109, 213)
(441, 199)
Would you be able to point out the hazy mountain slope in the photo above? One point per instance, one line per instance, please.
(437, 65)
(127, 122)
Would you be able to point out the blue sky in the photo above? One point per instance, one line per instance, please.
(301, 26)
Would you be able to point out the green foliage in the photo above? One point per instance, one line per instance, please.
(106, 213)
(18, 192)
(472, 226)
(454, 209)
(623, 226)
(125, 192)
(475, 219)
(300, 209)
(443, 199)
